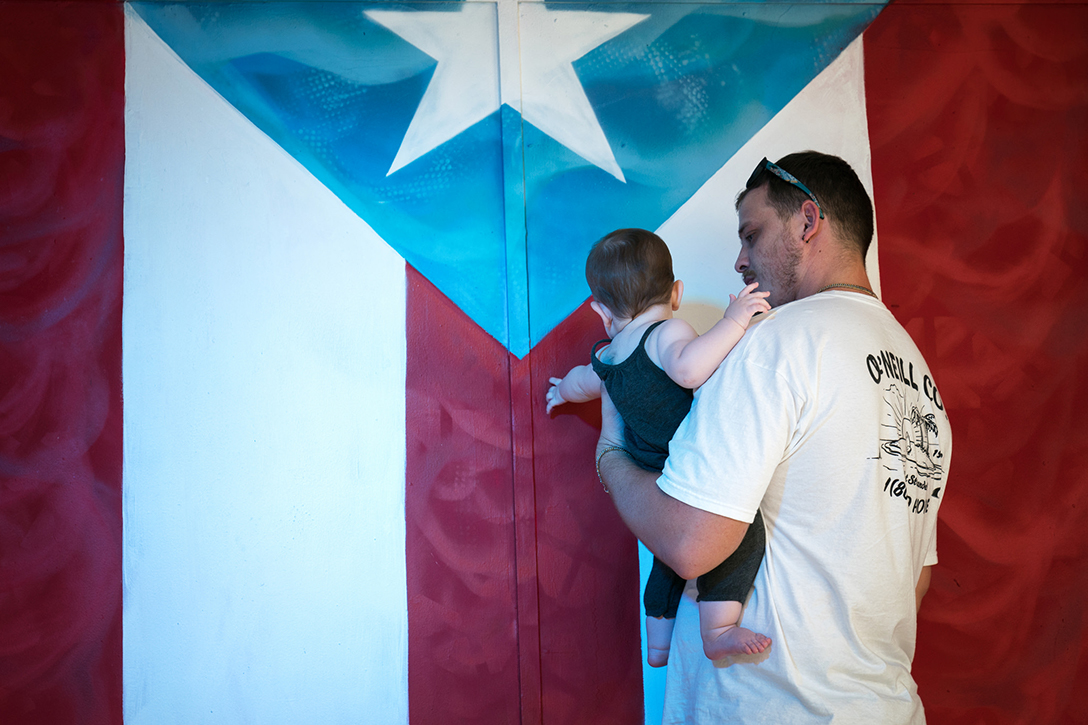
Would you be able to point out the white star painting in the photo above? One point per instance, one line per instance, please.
(474, 76)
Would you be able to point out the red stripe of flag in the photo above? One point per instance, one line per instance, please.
(61, 191)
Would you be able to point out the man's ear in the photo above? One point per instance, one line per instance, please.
(677, 294)
(604, 313)
(810, 214)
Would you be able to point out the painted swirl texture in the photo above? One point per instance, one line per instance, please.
(61, 181)
(977, 124)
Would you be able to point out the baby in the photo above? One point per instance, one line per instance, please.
(649, 365)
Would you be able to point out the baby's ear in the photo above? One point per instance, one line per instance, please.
(604, 313)
(677, 294)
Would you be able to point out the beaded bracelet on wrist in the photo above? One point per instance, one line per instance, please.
(609, 449)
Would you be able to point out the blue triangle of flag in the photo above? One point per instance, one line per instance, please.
(500, 216)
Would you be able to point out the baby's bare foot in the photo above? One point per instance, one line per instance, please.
(736, 641)
(657, 657)
(658, 640)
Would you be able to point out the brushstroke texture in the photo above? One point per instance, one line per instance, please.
(61, 175)
(977, 125)
(526, 618)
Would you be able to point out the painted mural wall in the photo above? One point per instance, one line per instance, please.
(283, 284)
(62, 145)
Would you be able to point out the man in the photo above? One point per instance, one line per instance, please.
(826, 418)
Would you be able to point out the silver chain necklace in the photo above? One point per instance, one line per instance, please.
(857, 287)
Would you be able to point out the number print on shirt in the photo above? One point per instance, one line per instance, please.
(909, 445)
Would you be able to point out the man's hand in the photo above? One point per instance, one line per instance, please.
(747, 303)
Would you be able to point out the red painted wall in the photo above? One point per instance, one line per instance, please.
(522, 581)
(462, 591)
(977, 118)
(978, 122)
(61, 260)
(590, 616)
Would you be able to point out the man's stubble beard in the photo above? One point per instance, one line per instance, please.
(783, 271)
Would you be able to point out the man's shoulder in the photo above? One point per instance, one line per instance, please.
(802, 339)
(835, 303)
(826, 314)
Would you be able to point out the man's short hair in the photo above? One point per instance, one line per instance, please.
(842, 197)
(629, 271)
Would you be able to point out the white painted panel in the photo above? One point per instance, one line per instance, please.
(264, 367)
(828, 116)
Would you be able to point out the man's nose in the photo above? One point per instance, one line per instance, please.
(742, 261)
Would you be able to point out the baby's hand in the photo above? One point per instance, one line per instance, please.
(747, 303)
(553, 397)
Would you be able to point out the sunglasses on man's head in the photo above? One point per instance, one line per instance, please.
(766, 165)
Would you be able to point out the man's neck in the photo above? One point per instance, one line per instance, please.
(863, 289)
(846, 275)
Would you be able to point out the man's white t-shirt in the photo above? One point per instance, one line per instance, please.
(825, 417)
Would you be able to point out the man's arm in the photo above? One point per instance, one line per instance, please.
(689, 540)
(922, 586)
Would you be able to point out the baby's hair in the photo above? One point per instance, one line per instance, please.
(629, 271)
